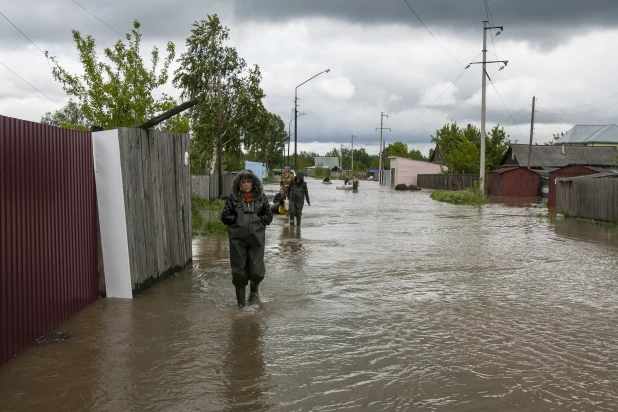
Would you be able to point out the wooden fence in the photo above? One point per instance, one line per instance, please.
(444, 181)
(207, 187)
(588, 197)
(157, 195)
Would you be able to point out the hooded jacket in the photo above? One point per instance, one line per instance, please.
(235, 204)
(298, 191)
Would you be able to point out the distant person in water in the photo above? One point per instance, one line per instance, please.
(298, 193)
(346, 181)
(246, 214)
(326, 179)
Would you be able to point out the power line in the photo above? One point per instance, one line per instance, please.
(22, 33)
(438, 98)
(429, 31)
(507, 109)
(121, 35)
(6, 67)
(585, 105)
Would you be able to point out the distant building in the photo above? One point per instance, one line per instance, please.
(590, 135)
(406, 171)
(329, 162)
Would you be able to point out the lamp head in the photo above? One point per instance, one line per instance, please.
(327, 70)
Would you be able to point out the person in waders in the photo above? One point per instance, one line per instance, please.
(298, 193)
(246, 214)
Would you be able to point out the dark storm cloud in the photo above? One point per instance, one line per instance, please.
(545, 22)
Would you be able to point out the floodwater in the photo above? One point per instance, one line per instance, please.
(381, 301)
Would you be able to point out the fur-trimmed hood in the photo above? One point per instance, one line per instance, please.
(257, 189)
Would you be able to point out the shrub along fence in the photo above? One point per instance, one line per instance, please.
(445, 181)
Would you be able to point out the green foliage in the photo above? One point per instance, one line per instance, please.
(199, 224)
(305, 159)
(610, 227)
(321, 172)
(460, 148)
(238, 112)
(472, 196)
(70, 117)
(119, 94)
(401, 149)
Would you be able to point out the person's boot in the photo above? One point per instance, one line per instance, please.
(254, 295)
(298, 221)
(240, 297)
(291, 220)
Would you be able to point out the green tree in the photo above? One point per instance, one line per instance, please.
(70, 117)
(496, 145)
(119, 94)
(229, 93)
(266, 141)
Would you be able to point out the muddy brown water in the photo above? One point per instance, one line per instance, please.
(381, 301)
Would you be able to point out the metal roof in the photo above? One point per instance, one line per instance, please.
(597, 176)
(552, 156)
(589, 134)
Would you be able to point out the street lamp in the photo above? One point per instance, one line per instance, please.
(289, 136)
(296, 116)
(352, 169)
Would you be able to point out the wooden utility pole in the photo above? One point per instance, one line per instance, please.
(531, 133)
(219, 145)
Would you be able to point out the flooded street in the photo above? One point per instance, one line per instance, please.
(381, 301)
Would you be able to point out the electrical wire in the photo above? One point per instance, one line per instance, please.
(49, 98)
(507, 109)
(429, 31)
(22, 33)
(121, 35)
(585, 105)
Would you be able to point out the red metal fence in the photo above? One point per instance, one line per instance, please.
(48, 240)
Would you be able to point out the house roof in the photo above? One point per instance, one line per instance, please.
(547, 156)
(583, 133)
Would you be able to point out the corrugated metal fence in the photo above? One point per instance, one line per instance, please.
(207, 187)
(588, 197)
(445, 181)
(48, 223)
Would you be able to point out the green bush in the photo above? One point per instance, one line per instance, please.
(321, 172)
(199, 224)
(472, 196)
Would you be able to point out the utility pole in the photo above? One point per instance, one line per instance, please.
(483, 95)
(381, 150)
(219, 145)
(352, 168)
(531, 132)
(341, 157)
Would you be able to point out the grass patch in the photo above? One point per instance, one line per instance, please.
(611, 227)
(472, 196)
(199, 224)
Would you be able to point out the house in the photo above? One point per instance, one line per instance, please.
(436, 156)
(590, 135)
(545, 159)
(406, 171)
(329, 162)
(513, 181)
(571, 171)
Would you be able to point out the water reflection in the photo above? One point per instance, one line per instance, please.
(381, 301)
(244, 365)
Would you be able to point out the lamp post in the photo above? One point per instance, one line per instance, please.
(296, 116)
(352, 168)
(289, 136)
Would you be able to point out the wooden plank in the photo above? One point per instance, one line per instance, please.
(126, 172)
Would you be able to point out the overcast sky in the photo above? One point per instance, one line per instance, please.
(381, 56)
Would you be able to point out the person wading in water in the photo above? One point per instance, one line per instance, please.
(298, 193)
(246, 214)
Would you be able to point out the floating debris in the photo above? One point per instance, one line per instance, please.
(53, 337)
